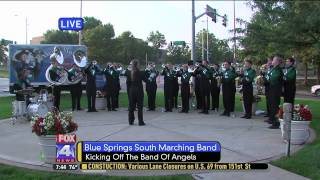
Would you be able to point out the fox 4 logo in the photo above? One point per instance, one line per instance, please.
(66, 148)
(65, 153)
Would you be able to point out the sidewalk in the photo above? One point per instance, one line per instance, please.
(242, 140)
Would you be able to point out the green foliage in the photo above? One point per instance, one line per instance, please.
(60, 37)
(99, 41)
(219, 50)
(178, 54)
(90, 23)
(157, 39)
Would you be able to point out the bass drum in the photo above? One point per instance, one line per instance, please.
(37, 109)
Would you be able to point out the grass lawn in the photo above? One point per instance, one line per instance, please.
(305, 162)
(3, 73)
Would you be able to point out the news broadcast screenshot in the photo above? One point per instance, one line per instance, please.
(203, 90)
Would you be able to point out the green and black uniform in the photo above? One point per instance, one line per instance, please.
(175, 90)
(75, 90)
(274, 77)
(91, 88)
(54, 73)
(151, 87)
(168, 89)
(185, 89)
(247, 90)
(205, 76)
(228, 90)
(289, 84)
(267, 89)
(112, 87)
(215, 90)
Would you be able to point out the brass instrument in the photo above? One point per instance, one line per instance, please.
(58, 55)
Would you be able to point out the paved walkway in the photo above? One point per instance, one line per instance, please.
(242, 140)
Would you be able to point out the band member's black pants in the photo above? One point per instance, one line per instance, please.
(274, 96)
(56, 94)
(198, 94)
(266, 92)
(185, 95)
(205, 95)
(215, 95)
(135, 100)
(168, 98)
(289, 92)
(76, 92)
(111, 100)
(228, 92)
(247, 92)
(175, 94)
(91, 95)
(151, 89)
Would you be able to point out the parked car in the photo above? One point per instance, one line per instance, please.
(316, 90)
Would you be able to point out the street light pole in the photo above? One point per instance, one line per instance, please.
(80, 32)
(193, 50)
(234, 31)
(26, 30)
(202, 37)
(207, 41)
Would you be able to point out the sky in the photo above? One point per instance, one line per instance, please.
(171, 18)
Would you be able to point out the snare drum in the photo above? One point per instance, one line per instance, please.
(39, 109)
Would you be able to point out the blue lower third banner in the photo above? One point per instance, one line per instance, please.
(149, 151)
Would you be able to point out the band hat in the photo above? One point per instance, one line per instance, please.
(18, 54)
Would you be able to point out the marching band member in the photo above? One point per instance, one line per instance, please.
(91, 71)
(185, 88)
(267, 85)
(247, 88)
(112, 86)
(55, 74)
(215, 87)
(75, 89)
(197, 85)
(289, 78)
(151, 86)
(205, 75)
(117, 83)
(228, 88)
(274, 78)
(167, 72)
(136, 93)
(175, 90)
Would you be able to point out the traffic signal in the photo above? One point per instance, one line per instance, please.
(211, 13)
(224, 20)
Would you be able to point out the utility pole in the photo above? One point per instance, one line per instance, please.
(202, 36)
(207, 41)
(80, 32)
(26, 30)
(234, 31)
(193, 50)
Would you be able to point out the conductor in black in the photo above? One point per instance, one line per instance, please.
(136, 92)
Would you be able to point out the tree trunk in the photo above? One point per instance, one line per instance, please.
(318, 74)
(306, 74)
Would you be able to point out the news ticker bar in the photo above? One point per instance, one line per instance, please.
(173, 166)
(146, 152)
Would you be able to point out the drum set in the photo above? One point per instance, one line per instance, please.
(39, 105)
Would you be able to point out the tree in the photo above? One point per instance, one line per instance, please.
(90, 23)
(178, 54)
(99, 41)
(219, 50)
(157, 39)
(60, 37)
